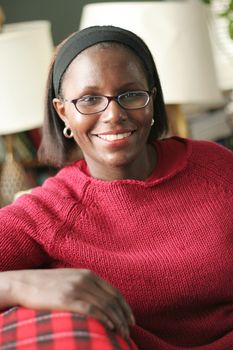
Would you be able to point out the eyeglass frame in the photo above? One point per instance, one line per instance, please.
(112, 98)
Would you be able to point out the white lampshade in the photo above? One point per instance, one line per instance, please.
(25, 54)
(176, 33)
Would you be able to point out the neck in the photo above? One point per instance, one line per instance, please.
(139, 169)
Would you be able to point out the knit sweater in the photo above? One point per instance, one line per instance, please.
(166, 243)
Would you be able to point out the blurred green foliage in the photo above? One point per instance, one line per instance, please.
(227, 13)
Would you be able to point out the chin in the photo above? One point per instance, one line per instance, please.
(119, 160)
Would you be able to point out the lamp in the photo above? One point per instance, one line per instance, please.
(26, 50)
(176, 33)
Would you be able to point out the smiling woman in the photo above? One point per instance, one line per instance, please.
(130, 247)
(111, 130)
(133, 58)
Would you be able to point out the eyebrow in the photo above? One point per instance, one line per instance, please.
(122, 87)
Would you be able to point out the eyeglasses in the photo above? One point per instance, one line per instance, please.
(129, 100)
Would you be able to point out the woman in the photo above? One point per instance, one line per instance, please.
(138, 234)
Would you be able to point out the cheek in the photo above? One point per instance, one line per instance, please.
(144, 119)
(81, 125)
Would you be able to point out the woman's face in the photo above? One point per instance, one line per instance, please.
(110, 71)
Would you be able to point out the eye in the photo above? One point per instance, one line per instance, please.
(131, 95)
(89, 100)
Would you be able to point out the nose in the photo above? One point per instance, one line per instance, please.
(114, 113)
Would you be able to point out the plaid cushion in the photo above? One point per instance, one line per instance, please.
(25, 329)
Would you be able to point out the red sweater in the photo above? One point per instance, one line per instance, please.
(166, 243)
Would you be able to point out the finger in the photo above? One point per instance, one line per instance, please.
(109, 302)
(107, 305)
(115, 306)
(116, 315)
(120, 299)
(85, 308)
(93, 284)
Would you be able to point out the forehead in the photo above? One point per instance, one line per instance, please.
(115, 47)
(103, 55)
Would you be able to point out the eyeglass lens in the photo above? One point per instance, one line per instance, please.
(129, 100)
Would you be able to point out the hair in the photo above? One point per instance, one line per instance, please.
(55, 149)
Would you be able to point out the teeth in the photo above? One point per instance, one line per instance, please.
(115, 137)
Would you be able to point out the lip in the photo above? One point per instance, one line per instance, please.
(115, 142)
(115, 132)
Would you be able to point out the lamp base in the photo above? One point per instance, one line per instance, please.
(13, 179)
(177, 121)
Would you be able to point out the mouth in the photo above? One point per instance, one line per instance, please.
(115, 137)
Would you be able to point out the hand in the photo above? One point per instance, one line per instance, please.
(75, 290)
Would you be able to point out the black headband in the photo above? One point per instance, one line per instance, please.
(90, 36)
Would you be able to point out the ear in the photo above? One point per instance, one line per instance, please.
(60, 109)
(154, 92)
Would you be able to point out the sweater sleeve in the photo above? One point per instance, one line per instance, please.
(30, 227)
(27, 229)
(19, 246)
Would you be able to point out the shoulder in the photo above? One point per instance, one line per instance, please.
(200, 148)
(198, 160)
(211, 160)
(211, 148)
(211, 154)
(57, 194)
(69, 181)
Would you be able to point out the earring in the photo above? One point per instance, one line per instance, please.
(67, 132)
(152, 122)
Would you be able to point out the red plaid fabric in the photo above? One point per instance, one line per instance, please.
(25, 329)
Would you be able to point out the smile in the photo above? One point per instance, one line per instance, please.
(113, 137)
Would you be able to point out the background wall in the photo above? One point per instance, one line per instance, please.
(63, 14)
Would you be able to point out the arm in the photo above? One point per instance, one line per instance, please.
(20, 247)
(75, 290)
(24, 237)
(28, 226)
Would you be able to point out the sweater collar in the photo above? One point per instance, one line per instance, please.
(172, 158)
